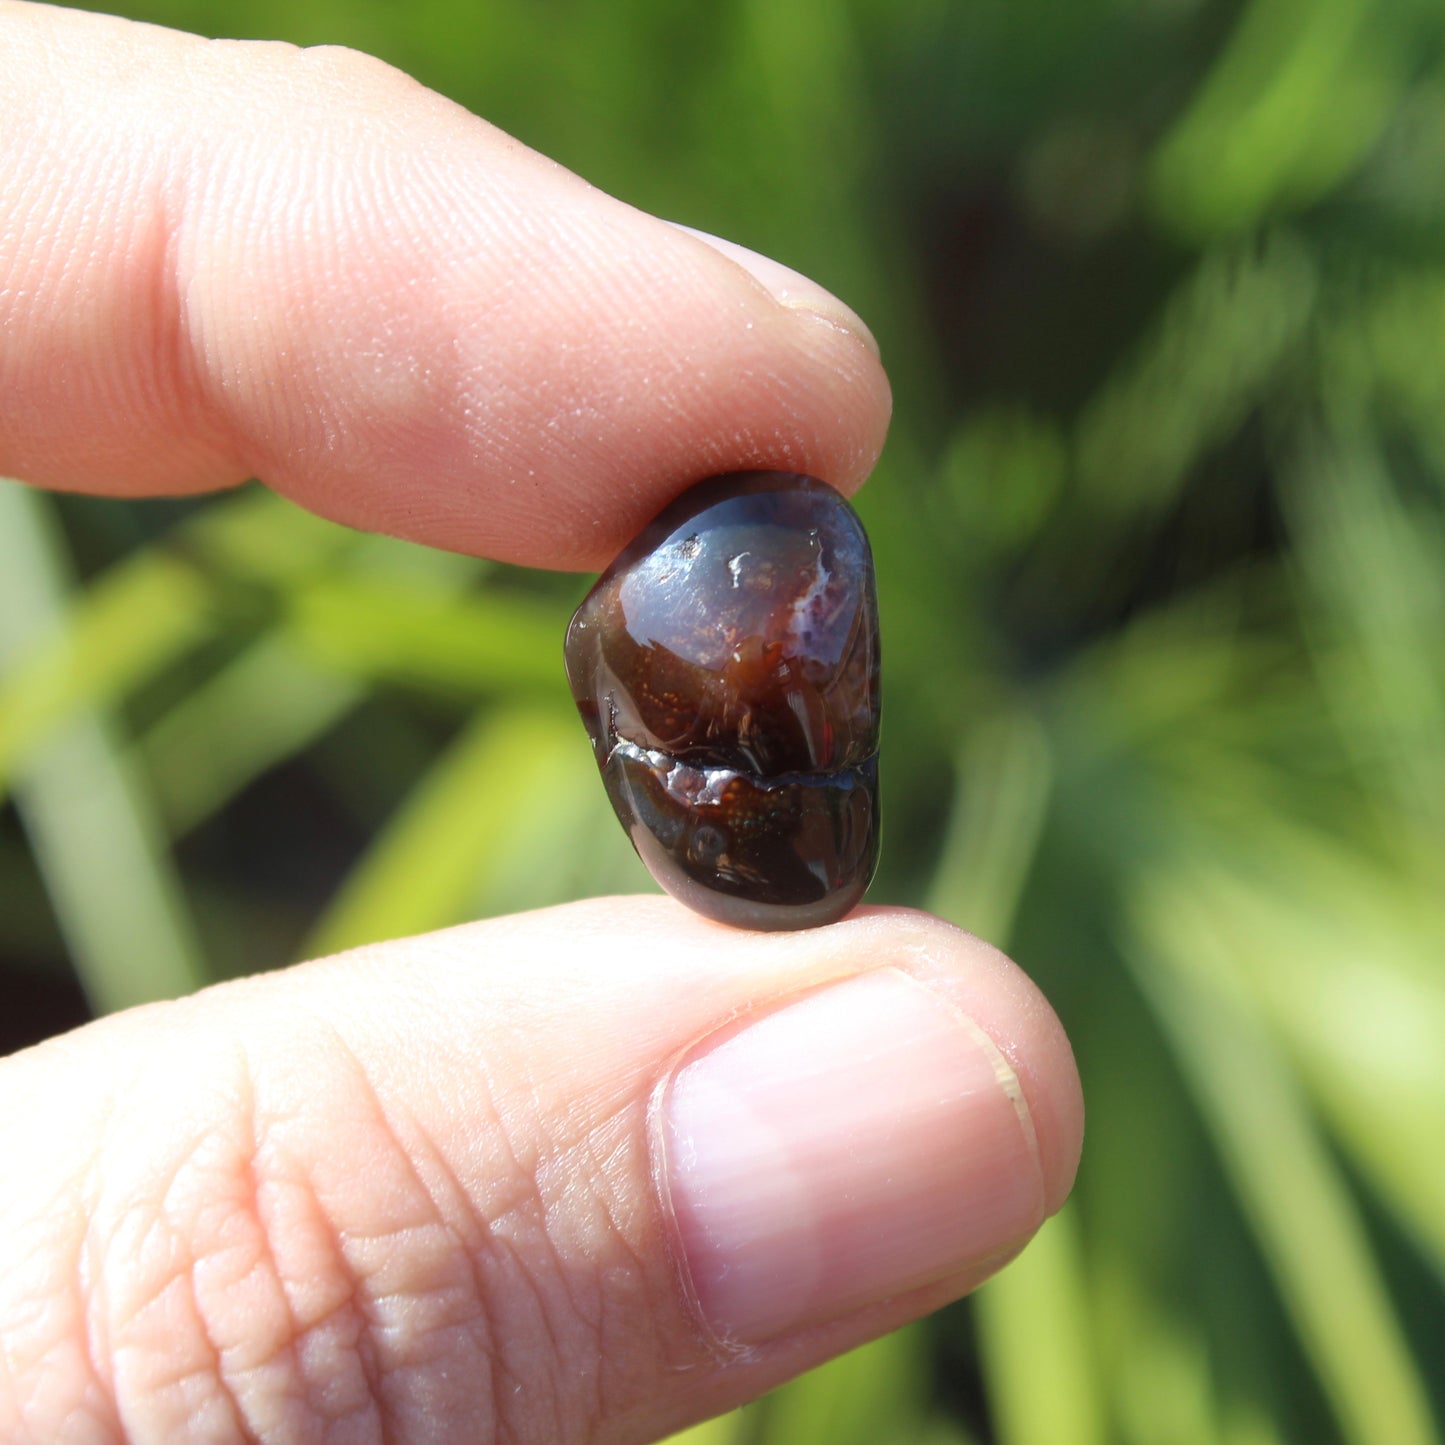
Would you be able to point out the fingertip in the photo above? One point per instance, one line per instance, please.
(789, 288)
(997, 995)
(382, 306)
(907, 1123)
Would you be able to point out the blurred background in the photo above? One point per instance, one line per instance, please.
(1160, 534)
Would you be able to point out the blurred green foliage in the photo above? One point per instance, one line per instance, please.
(1161, 545)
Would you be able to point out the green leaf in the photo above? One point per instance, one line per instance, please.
(730, 1429)
(1220, 343)
(872, 1396)
(150, 611)
(1374, 573)
(263, 539)
(424, 636)
(1003, 472)
(263, 707)
(138, 620)
(1308, 1226)
(454, 827)
(1295, 102)
(1000, 799)
(1340, 954)
(278, 697)
(1035, 1344)
(88, 816)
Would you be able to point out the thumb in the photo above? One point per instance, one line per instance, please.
(585, 1174)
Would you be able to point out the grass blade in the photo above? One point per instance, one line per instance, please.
(90, 820)
(135, 622)
(872, 1396)
(423, 870)
(217, 739)
(1000, 800)
(1034, 1337)
(730, 1429)
(1308, 1226)
(426, 635)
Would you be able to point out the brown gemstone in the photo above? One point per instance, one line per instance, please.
(726, 668)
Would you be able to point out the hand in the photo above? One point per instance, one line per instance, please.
(587, 1174)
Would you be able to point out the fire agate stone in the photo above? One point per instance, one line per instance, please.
(726, 668)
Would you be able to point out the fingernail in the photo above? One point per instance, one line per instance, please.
(790, 288)
(861, 1142)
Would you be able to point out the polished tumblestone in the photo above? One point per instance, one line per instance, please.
(726, 668)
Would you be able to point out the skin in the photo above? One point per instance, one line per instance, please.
(410, 1193)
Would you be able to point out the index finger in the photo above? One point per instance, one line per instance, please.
(377, 304)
